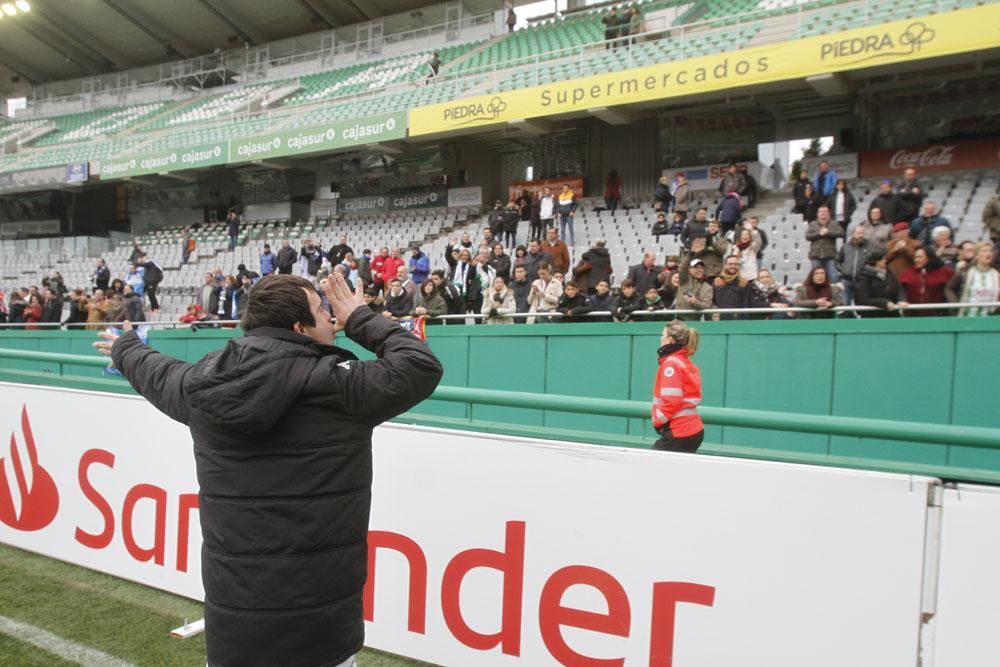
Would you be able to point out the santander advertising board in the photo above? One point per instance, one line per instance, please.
(489, 550)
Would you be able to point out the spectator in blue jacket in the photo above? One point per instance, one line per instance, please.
(566, 206)
(825, 181)
(729, 211)
(420, 265)
(922, 227)
(136, 277)
(268, 261)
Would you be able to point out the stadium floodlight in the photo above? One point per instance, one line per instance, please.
(23, 5)
(8, 9)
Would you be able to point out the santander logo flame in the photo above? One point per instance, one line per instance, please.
(29, 499)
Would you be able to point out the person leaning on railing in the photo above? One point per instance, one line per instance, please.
(876, 286)
(677, 391)
(977, 283)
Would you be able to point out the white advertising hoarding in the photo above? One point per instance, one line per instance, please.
(968, 616)
(492, 551)
(846, 165)
(471, 197)
(709, 176)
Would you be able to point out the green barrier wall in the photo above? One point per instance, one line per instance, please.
(934, 370)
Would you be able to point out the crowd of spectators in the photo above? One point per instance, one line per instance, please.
(872, 261)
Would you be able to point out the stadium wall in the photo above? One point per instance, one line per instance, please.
(919, 369)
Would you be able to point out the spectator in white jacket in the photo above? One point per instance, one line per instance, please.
(545, 292)
(498, 303)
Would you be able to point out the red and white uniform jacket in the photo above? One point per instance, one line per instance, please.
(677, 394)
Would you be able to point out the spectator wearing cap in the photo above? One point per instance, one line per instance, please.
(876, 286)
(593, 267)
(888, 201)
(911, 195)
(420, 264)
(925, 281)
(922, 227)
(694, 292)
(822, 234)
(901, 249)
(825, 181)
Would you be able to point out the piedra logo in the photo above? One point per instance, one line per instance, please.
(463, 114)
(879, 45)
(29, 499)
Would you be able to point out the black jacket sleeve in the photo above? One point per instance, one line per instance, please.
(404, 374)
(156, 377)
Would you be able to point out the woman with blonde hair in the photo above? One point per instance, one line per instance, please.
(677, 391)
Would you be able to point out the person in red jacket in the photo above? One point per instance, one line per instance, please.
(924, 282)
(390, 267)
(677, 391)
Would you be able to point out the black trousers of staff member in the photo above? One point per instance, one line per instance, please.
(668, 443)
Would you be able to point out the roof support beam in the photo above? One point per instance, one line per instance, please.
(173, 43)
(46, 37)
(48, 12)
(21, 68)
(234, 20)
(319, 13)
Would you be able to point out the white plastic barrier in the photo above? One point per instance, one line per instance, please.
(492, 551)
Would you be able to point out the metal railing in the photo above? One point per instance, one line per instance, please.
(969, 436)
(705, 314)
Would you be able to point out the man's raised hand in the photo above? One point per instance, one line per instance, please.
(108, 339)
(342, 301)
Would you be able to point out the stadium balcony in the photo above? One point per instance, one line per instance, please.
(566, 48)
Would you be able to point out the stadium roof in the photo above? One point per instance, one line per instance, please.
(67, 39)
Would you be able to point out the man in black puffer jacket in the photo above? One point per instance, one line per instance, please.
(282, 424)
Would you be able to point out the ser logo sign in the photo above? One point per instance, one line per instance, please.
(884, 45)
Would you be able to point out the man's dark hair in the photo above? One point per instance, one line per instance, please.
(439, 273)
(279, 301)
(544, 265)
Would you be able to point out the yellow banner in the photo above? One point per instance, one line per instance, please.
(931, 36)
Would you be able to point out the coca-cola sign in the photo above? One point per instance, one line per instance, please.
(930, 158)
(933, 156)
